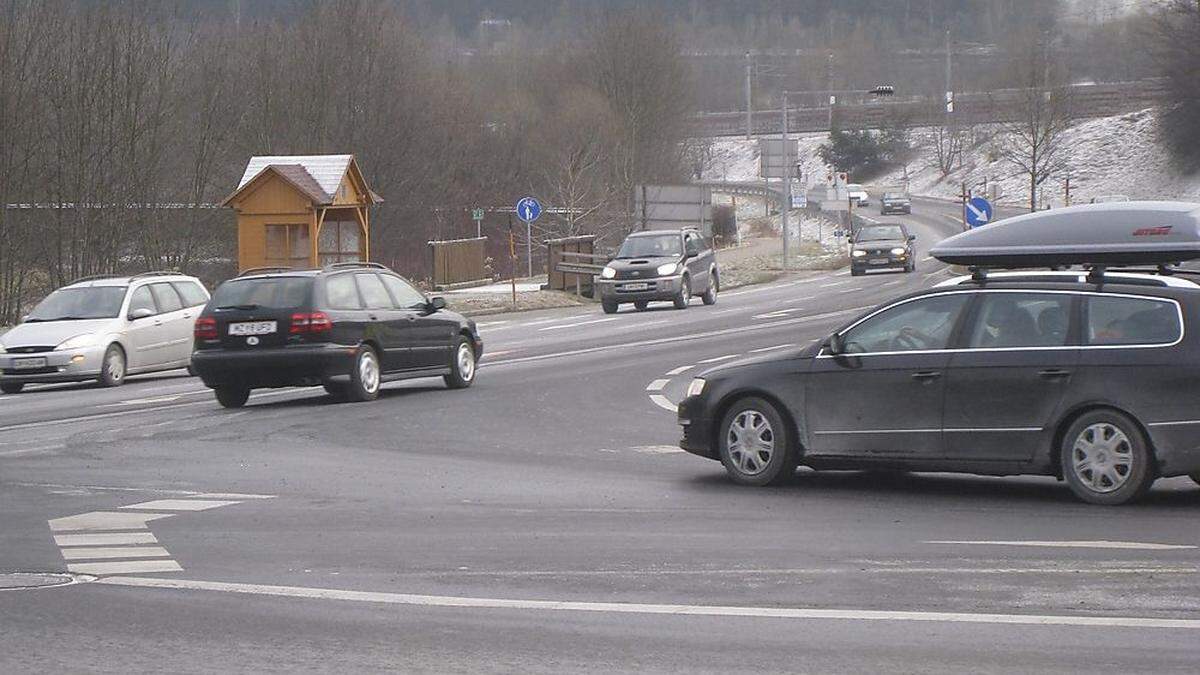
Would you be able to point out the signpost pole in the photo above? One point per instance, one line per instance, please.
(529, 246)
(787, 186)
(512, 258)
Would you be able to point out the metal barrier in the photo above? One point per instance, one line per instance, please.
(459, 263)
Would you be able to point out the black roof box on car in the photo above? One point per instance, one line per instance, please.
(1094, 234)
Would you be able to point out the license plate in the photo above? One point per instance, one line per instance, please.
(252, 328)
(636, 287)
(879, 261)
(29, 364)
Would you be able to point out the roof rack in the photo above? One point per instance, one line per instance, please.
(354, 264)
(1097, 275)
(157, 273)
(94, 277)
(264, 270)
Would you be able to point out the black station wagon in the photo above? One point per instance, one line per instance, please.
(348, 327)
(1086, 375)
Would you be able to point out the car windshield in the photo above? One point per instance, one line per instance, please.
(270, 292)
(880, 233)
(894, 195)
(658, 246)
(87, 302)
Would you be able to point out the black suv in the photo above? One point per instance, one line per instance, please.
(349, 327)
(881, 247)
(1086, 377)
(671, 265)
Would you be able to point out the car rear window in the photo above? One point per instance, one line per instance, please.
(191, 292)
(281, 292)
(1119, 320)
(341, 293)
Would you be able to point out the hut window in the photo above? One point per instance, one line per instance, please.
(288, 246)
(340, 241)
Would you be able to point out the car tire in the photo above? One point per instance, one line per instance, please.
(113, 367)
(769, 458)
(232, 397)
(12, 387)
(365, 376)
(641, 305)
(855, 272)
(710, 295)
(462, 365)
(685, 293)
(335, 389)
(1093, 452)
(610, 306)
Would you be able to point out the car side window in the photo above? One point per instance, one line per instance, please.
(341, 292)
(191, 292)
(691, 244)
(141, 299)
(916, 325)
(405, 295)
(373, 293)
(1021, 320)
(1131, 321)
(166, 298)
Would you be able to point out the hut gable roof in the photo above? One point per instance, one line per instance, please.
(318, 177)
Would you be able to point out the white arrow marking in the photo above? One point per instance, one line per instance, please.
(980, 216)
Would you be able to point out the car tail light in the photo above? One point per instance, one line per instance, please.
(206, 328)
(308, 323)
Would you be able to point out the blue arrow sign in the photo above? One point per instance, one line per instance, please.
(528, 209)
(979, 212)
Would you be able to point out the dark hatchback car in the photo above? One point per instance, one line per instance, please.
(671, 265)
(349, 327)
(882, 247)
(1088, 378)
(895, 202)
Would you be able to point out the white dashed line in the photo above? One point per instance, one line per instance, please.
(579, 323)
(771, 349)
(797, 613)
(663, 402)
(680, 369)
(773, 315)
(832, 284)
(720, 358)
(489, 324)
(1124, 545)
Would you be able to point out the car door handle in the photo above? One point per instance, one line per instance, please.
(926, 375)
(374, 318)
(1053, 374)
(412, 317)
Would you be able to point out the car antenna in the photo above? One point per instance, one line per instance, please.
(979, 274)
(1096, 274)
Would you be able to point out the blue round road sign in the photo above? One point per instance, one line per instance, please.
(528, 209)
(979, 212)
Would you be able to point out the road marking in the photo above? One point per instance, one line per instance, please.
(30, 451)
(491, 323)
(103, 552)
(771, 349)
(739, 330)
(835, 283)
(1074, 544)
(542, 322)
(106, 539)
(640, 608)
(579, 323)
(720, 358)
(657, 449)
(927, 258)
(232, 495)
(774, 315)
(125, 567)
(106, 520)
(181, 504)
(663, 402)
(145, 401)
(657, 385)
(680, 369)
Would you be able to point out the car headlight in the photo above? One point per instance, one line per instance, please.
(669, 268)
(858, 253)
(696, 387)
(77, 342)
(898, 251)
(608, 273)
(2, 350)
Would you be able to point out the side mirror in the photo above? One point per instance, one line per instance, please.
(437, 303)
(140, 313)
(836, 344)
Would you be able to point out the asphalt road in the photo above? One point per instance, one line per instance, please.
(544, 521)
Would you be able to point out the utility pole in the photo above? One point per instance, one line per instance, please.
(749, 110)
(787, 185)
(1068, 187)
(829, 87)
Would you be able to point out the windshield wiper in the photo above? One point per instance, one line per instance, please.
(241, 307)
(57, 318)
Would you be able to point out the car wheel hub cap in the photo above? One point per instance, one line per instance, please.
(466, 362)
(368, 373)
(751, 442)
(1102, 457)
(115, 368)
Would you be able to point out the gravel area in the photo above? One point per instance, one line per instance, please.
(482, 304)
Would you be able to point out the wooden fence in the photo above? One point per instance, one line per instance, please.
(573, 247)
(459, 263)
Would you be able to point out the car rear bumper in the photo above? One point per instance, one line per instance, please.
(293, 365)
(895, 208)
(661, 288)
(73, 365)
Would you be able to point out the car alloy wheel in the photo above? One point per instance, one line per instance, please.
(463, 365)
(1106, 458)
(466, 362)
(685, 293)
(751, 442)
(754, 443)
(365, 378)
(1103, 457)
(112, 369)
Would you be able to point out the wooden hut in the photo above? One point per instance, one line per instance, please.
(302, 211)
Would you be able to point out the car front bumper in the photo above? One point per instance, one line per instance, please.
(889, 262)
(294, 365)
(697, 428)
(68, 365)
(627, 290)
(895, 208)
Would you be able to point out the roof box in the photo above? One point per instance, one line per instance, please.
(1124, 233)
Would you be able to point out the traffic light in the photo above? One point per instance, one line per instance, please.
(884, 90)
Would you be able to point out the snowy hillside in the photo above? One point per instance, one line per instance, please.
(1108, 155)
